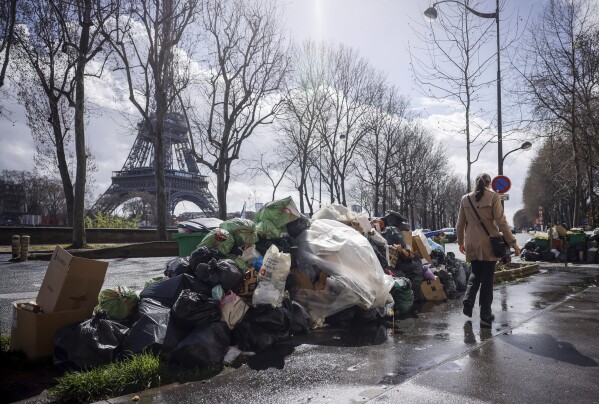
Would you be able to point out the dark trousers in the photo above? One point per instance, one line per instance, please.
(481, 277)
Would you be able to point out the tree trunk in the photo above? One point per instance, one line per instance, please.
(221, 192)
(161, 199)
(79, 239)
(63, 169)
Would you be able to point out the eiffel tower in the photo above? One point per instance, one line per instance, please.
(137, 177)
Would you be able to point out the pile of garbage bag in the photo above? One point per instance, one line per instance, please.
(561, 245)
(253, 284)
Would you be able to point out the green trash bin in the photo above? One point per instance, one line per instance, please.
(188, 242)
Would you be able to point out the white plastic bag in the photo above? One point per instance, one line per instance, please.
(250, 254)
(355, 274)
(271, 278)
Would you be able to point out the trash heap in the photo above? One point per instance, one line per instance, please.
(252, 284)
(561, 245)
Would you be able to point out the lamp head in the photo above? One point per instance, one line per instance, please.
(526, 145)
(431, 13)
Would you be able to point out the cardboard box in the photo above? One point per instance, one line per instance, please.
(70, 282)
(33, 333)
(433, 290)
(418, 246)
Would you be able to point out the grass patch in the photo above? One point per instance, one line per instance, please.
(138, 373)
(4, 343)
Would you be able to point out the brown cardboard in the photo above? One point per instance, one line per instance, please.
(33, 333)
(433, 290)
(418, 246)
(561, 231)
(407, 237)
(70, 282)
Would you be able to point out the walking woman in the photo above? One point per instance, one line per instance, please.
(476, 244)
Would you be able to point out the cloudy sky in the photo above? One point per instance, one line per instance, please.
(381, 30)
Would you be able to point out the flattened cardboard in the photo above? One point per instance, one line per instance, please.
(433, 290)
(34, 333)
(407, 237)
(70, 282)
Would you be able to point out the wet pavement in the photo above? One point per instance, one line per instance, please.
(541, 348)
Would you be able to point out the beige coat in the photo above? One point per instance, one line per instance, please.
(470, 232)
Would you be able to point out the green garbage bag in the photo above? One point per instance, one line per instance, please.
(266, 229)
(403, 296)
(243, 230)
(239, 263)
(119, 303)
(278, 212)
(218, 239)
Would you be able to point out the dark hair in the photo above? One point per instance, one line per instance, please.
(482, 180)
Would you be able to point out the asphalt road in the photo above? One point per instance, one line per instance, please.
(21, 281)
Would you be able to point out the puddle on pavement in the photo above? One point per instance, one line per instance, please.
(546, 345)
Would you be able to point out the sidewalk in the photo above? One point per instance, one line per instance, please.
(541, 349)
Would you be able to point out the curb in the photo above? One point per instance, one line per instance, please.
(516, 273)
(137, 250)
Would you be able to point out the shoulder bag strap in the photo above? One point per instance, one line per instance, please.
(478, 216)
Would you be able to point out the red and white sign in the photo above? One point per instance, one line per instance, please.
(501, 184)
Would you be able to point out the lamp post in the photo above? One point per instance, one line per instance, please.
(523, 146)
(431, 13)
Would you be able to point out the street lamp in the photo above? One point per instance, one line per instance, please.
(523, 146)
(431, 13)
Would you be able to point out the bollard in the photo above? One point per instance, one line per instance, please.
(16, 247)
(24, 248)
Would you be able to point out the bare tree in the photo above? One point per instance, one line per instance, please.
(8, 17)
(246, 64)
(44, 83)
(452, 65)
(150, 40)
(556, 79)
(382, 126)
(305, 103)
(353, 86)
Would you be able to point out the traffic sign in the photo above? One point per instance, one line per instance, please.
(505, 197)
(501, 184)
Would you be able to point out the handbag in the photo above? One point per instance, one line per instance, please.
(498, 243)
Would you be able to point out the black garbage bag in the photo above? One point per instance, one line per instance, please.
(298, 226)
(204, 346)
(438, 257)
(342, 319)
(396, 219)
(167, 292)
(362, 316)
(413, 271)
(299, 317)
(178, 266)
(448, 283)
(530, 244)
(393, 236)
(262, 327)
(572, 254)
(531, 255)
(203, 255)
(155, 329)
(223, 272)
(380, 251)
(284, 244)
(194, 310)
(547, 256)
(92, 343)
